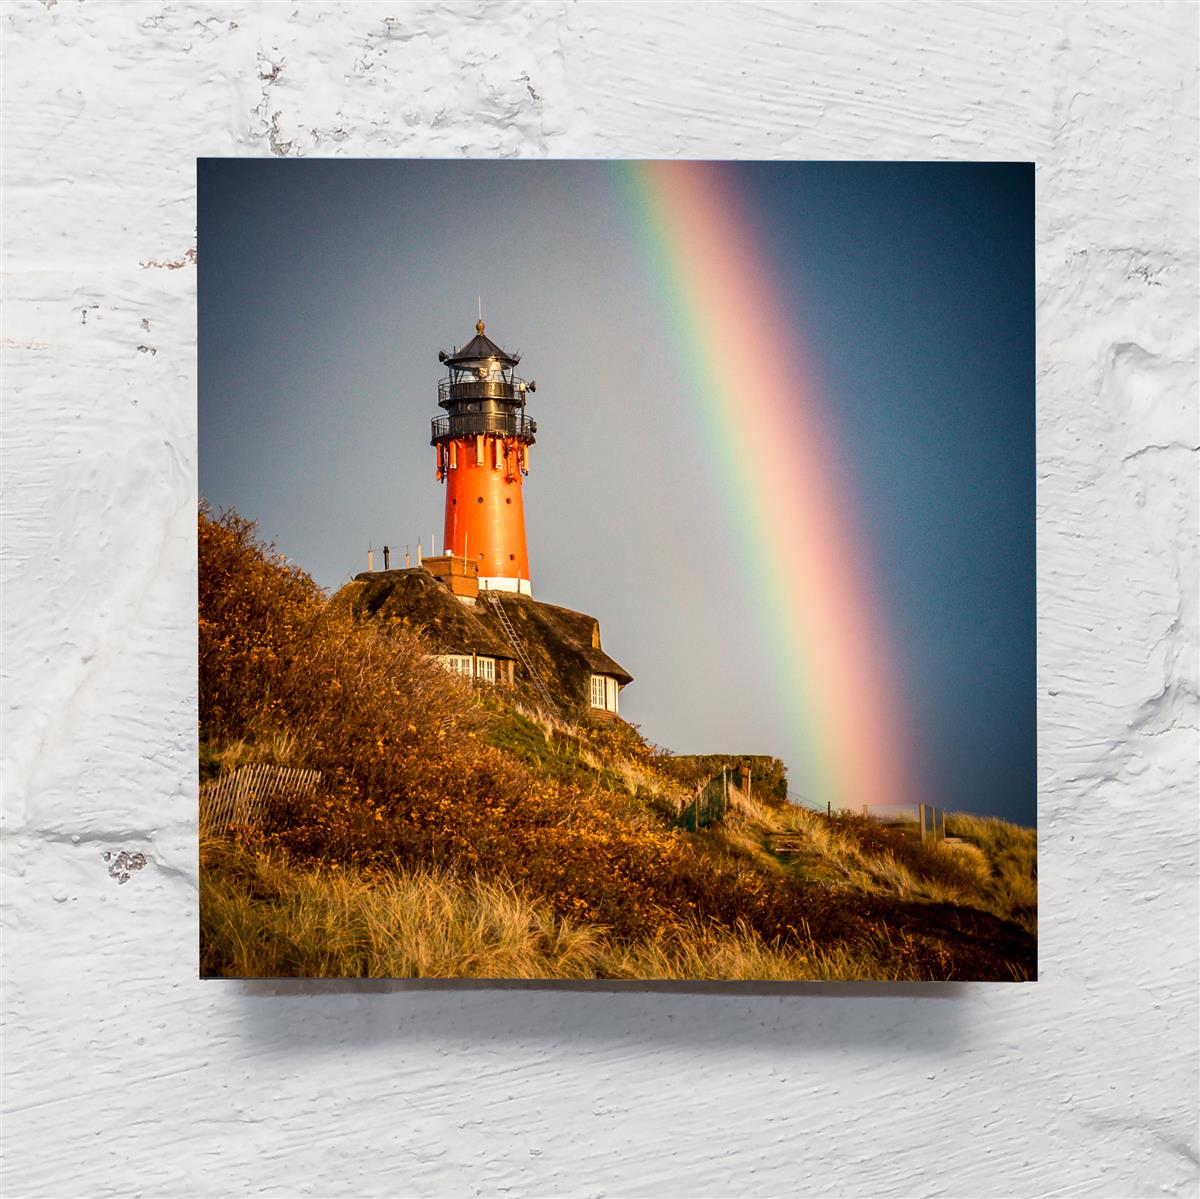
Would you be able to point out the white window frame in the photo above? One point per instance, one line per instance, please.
(485, 669)
(457, 663)
(603, 692)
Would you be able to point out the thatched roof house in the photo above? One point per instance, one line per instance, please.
(496, 636)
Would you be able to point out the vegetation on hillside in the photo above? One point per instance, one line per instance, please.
(455, 834)
(761, 776)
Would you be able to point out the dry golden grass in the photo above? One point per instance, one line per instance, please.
(262, 917)
(994, 870)
(519, 845)
(1010, 852)
(278, 748)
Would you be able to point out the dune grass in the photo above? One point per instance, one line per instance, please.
(261, 917)
(264, 917)
(1010, 852)
(994, 870)
(455, 834)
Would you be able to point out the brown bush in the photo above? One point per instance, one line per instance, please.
(275, 657)
(409, 781)
(253, 607)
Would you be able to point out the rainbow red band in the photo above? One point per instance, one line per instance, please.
(770, 431)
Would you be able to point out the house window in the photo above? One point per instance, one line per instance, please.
(479, 668)
(604, 692)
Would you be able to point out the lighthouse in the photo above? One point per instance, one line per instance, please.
(482, 445)
(473, 604)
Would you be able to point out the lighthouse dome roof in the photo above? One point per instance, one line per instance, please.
(479, 349)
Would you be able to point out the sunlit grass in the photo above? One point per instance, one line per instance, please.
(262, 917)
(994, 870)
(456, 834)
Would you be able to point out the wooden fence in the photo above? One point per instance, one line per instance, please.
(250, 794)
(931, 820)
(710, 800)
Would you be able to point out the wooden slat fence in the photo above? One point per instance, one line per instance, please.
(251, 793)
(708, 805)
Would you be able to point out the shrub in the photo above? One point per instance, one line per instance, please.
(411, 786)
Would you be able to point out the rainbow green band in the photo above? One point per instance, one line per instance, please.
(765, 423)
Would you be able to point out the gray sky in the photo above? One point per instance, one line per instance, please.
(327, 289)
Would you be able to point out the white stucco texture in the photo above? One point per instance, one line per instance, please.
(127, 1075)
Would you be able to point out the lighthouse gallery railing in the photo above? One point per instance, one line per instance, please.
(473, 424)
(451, 391)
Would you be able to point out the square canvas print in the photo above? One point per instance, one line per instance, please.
(617, 570)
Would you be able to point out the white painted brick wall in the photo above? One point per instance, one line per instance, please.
(128, 1076)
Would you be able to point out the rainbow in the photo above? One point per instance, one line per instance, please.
(767, 425)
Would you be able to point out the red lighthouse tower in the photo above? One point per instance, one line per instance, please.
(482, 454)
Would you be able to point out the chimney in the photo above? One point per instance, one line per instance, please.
(459, 575)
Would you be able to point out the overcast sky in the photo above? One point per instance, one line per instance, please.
(328, 287)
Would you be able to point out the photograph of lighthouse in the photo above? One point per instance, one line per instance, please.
(617, 570)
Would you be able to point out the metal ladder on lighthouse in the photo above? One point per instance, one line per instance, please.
(497, 606)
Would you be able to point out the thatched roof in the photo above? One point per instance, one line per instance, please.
(420, 602)
(563, 645)
(560, 641)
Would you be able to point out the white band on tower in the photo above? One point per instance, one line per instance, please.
(504, 583)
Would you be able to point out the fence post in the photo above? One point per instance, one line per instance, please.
(939, 823)
(921, 819)
(865, 816)
(829, 808)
